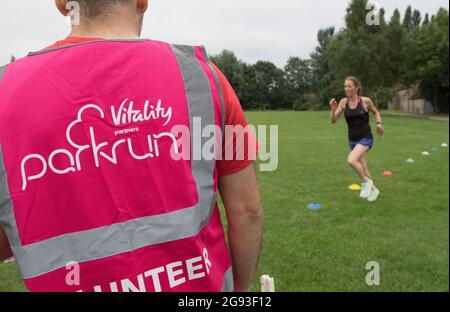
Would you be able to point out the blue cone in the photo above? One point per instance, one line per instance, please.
(314, 206)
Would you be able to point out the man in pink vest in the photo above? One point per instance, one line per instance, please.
(100, 187)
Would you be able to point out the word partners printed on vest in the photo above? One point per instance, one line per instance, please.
(108, 150)
(127, 115)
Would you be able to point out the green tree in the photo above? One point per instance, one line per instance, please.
(398, 50)
(410, 51)
(270, 84)
(322, 77)
(250, 97)
(231, 67)
(408, 19)
(426, 20)
(298, 79)
(360, 49)
(356, 15)
(417, 19)
(431, 55)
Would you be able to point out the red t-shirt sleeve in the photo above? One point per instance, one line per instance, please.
(71, 40)
(234, 116)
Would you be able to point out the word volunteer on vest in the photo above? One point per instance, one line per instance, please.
(177, 273)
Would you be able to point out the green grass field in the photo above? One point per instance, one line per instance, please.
(406, 231)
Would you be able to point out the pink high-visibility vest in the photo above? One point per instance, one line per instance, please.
(91, 195)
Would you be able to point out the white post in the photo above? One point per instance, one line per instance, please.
(267, 284)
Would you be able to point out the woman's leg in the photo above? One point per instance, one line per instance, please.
(363, 162)
(354, 161)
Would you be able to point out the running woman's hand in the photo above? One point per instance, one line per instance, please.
(380, 130)
(333, 105)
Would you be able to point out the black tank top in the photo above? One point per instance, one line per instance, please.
(358, 121)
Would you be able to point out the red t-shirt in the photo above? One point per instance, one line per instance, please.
(234, 116)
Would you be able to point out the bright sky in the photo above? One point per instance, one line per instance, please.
(253, 29)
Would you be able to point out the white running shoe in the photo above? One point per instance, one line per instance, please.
(374, 194)
(366, 189)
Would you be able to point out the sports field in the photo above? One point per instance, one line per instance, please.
(406, 231)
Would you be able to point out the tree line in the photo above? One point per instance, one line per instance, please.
(407, 51)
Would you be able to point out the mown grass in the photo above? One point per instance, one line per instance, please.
(406, 231)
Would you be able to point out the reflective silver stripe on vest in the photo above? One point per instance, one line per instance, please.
(7, 219)
(54, 253)
(46, 256)
(202, 170)
(219, 88)
(222, 101)
(228, 281)
(201, 104)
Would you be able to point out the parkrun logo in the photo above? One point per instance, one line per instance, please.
(208, 142)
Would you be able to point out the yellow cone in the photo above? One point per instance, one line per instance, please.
(355, 187)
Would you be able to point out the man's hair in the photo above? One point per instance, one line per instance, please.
(95, 8)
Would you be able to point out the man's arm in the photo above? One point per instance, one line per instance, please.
(240, 195)
(5, 250)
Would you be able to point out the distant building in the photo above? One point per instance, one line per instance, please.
(407, 101)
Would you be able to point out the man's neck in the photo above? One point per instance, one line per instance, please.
(105, 34)
(107, 30)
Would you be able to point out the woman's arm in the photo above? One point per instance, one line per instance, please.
(371, 107)
(336, 110)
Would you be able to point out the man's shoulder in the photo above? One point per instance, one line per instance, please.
(189, 48)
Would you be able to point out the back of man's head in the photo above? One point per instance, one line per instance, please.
(96, 8)
(105, 18)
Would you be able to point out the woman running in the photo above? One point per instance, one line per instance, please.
(356, 111)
